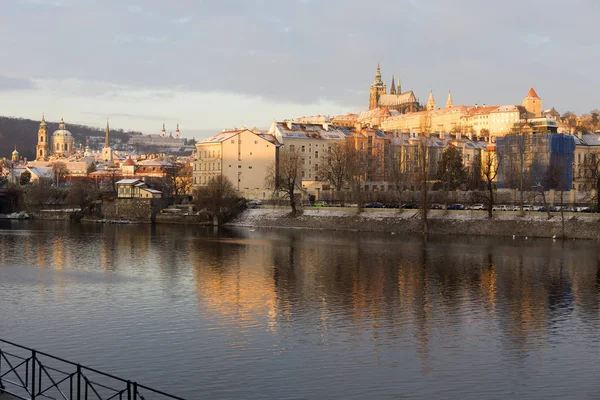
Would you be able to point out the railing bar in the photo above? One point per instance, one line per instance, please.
(14, 369)
(160, 392)
(102, 386)
(120, 394)
(14, 355)
(57, 370)
(15, 395)
(92, 387)
(54, 384)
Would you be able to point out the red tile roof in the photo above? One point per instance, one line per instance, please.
(532, 93)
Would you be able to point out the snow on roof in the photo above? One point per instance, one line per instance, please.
(128, 181)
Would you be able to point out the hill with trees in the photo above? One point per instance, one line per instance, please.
(22, 133)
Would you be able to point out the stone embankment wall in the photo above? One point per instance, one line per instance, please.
(144, 210)
(532, 224)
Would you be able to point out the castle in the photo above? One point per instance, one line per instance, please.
(396, 100)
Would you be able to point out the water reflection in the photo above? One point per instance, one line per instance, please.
(377, 315)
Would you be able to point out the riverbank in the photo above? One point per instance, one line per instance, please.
(532, 224)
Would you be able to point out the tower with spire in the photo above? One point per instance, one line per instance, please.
(449, 102)
(533, 103)
(107, 152)
(177, 132)
(163, 133)
(431, 102)
(41, 150)
(393, 87)
(15, 155)
(378, 89)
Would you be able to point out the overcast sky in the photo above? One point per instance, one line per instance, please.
(213, 64)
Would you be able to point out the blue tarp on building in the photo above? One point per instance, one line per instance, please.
(535, 159)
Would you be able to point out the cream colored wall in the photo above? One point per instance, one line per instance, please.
(501, 122)
(313, 156)
(245, 159)
(63, 145)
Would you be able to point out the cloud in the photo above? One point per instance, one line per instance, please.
(183, 20)
(10, 83)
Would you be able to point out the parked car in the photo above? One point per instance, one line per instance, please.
(455, 207)
(254, 203)
(477, 206)
(588, 209)
(436, 206)
(392, 205)
(321, 204)
(374, 205)
(500, 208)
(527, 207)
(410, 206)
(569, 209)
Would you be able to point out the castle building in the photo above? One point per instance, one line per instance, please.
(41, 150)
(395, 100)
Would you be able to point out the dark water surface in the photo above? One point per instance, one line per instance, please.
(308, 315)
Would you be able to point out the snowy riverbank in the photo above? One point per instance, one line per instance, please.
(532, 224)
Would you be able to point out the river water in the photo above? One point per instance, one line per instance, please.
(281, 314)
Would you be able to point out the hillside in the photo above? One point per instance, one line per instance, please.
(23, 133)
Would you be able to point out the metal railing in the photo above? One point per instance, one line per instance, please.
(29, 374)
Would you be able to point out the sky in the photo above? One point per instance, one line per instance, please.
(215, 64)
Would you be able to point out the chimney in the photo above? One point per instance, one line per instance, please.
(470, 135)
(289, 124)
(580, 135)
(476, 105)
(484, 105)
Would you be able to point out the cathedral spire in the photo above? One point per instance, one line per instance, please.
(399, 89)
(378, 82)
(177, 131)
(393, 88)
(449, 102)
(106, 137)
(61, 125)
(163, 132)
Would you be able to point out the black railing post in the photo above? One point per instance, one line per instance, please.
(32, 374)
(78, 382)
(128, 390)
(135, 395)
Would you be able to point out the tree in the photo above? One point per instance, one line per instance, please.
(178, 180)
(396, 176)
(423, 168)
(591, 177)
(490, 165)
(59, 170)
(91, 168)
(25, 178)
(284, 176)
(218, 198)
(81, 194)
(451, 172)
(516, 148)
(336, 169)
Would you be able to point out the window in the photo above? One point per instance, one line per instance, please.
(316, 154)
(256, 142)
(316, 167)
(233, 142)
(250, 167)
(292, 147)
(303, 174)
(303, 149)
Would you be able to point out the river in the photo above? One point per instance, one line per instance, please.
(291, 314)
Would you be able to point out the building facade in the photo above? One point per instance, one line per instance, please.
(244, 157)
(395, 100)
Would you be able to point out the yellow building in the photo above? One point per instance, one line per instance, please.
(41, 150)
(242, 156)
(63, 143)
(533, 104)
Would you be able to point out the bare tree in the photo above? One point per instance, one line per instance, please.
(284, 176)
(178, 180)
(423, 170)
(396, 176)
(490, 165)
(59, 170)
(451, 172)
(218, 198)
(338, 164)
(591, 178)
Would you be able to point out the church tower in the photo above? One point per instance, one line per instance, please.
(107, 153)
(533, 103)
(431, 102)
(15, 155)
(163, 133)
(377, 89)
(393, 88)
(177, 132)
(449, 102)
(41, 150)
(399, 89)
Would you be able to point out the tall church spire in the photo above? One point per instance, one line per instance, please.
(393, 88)
(61, 125)
(378, 82)
(106, 137)
(163, 132)
(399, 90)
(449, 102)
(177, 131)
